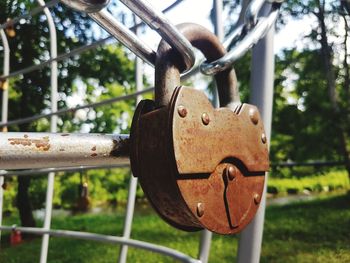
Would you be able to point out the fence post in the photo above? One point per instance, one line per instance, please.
(53, 128)
(130, 207)
(262, 81)
(4, 114)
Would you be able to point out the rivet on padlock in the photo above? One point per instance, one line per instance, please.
(200, 167)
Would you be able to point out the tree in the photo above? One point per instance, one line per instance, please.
(331, 24)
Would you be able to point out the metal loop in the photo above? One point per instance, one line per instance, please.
(169, 64)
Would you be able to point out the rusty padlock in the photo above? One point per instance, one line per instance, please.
(199, 167)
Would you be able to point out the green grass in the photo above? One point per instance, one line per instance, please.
(313, 231)
(330, 181)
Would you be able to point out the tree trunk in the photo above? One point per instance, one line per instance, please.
(341, 121)
(23, 203)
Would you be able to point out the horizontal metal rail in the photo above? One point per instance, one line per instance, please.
(64, 111)
(106, 239)
(62, 169)
(312, 163)
(20, 150)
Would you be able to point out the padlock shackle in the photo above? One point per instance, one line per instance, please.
(169, 65)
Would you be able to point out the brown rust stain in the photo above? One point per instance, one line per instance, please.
(41, 144)
(93, 148)
(121, 148)
(93, 154)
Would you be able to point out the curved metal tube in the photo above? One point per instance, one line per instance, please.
(5, 92)
(6, 71)
(260, 30)
(53, 127)
(113, 27)
(124, 35)
(157, 21)
(251, 15)
(106, 239)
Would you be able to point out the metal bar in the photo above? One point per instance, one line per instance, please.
(78, 50)
(31, 13)
(251, 14)
(6, 70)
(124, 35)
(55, 170)
(106, 239)
(4, 113)
(129, 214)
(157, 21)
(312, 163)
(53, 129)
(64, 111)
(262, 96)
(205, 244)
(54, 150)
(245, 44)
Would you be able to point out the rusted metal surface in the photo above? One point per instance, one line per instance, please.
(50, 150)
(199, 146)
(169, 65)
(200, 167)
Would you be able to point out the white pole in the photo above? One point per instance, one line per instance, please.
(5, 92)
(133, 180)
(262, 85)
(53, 128)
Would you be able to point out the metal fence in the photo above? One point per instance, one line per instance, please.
(255, 28)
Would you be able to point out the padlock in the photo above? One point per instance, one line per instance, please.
(199, 167)
(15, 237)
(10, 28)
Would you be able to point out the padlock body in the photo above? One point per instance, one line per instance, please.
(182, 152)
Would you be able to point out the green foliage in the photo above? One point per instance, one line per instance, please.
(318, 183)
(313, 231)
